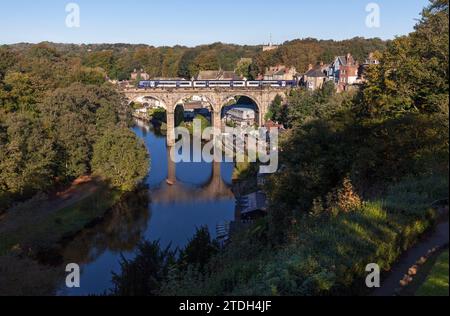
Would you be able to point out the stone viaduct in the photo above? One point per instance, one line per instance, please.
(217, 98)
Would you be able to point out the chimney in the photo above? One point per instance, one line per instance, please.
(321, 64)
(310, 66)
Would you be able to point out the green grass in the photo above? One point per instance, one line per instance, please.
(437, 282)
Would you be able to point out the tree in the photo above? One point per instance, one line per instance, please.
(120, 158)
(102, 59)
(7, 60)
(27, 158)
(413, 73)
(278, 111)
(305, 106)
(243, 67)
(22, 91)
(199, 250)
(144, 275)
(74, 144)
(87, 75)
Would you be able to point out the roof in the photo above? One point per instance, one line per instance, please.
(271, 124)
(208, 75)
(280, 73)
(254, 202)
(347, 60)
(229, 75)
(217, 75)
(315, 73)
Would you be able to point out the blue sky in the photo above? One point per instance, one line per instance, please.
(193, 22)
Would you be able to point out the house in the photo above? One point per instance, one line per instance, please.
(271, 124)
(343, 71)
(315, 77)
(268, 48)
(140, 75)
(253, 206)
(242, 117)
(370, 61)
(348, 74)
(217, 75)
(280, 72)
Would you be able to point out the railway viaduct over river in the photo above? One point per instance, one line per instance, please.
(217, 98)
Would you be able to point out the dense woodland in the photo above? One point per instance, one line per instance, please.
(360, 172)
(117, 61)
(58, 121)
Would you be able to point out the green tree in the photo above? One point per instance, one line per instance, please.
(27, 157)
(278, 111)
(199, 250)
(413, 73)
(74, 144)
(87, 75)
(144, 275)
(21, 91)
(120, 158)
(7, 60)
(243, 67)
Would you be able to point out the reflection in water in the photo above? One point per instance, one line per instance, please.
(120, 231)
(200, 196)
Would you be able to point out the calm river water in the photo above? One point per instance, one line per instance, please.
(200, 196)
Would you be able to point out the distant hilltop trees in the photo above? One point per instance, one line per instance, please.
(119, 61)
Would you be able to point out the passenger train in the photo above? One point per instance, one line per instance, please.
(180, 84)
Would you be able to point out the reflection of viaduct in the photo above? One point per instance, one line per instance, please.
(217, 98)
(214, 189)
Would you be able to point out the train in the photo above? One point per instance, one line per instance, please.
(180, 84)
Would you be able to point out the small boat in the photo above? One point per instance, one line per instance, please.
(170, 182)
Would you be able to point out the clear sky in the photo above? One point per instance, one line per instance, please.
(193, 22)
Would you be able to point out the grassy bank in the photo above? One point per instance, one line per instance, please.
(437, 282)
(326, 255)
(34, 226)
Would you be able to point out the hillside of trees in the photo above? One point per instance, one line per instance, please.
(59, 120)
(361, 171)
(117, 61)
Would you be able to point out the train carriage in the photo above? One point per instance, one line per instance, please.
(184, 84)
(200, 84)
(217, 84)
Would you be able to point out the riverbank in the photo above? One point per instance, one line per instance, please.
(40, 223)
(32, 233)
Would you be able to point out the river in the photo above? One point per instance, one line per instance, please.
(200, 196)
